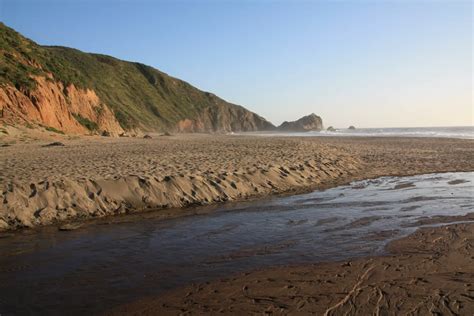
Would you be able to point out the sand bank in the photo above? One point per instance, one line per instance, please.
(430, 272)
(93, 177)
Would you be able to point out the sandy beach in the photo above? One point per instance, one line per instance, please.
(93, 177)
(87, 178)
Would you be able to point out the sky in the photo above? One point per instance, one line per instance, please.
(395, 63)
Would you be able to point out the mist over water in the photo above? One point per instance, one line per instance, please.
(462, 132)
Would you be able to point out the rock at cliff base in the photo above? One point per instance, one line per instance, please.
(54, 144)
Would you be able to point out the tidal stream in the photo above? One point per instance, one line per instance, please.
(97, 267)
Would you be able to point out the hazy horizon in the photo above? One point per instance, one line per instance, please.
(387, 64)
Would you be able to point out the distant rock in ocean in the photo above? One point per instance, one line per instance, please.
(331, 129)
(310, 122)
(352, 127)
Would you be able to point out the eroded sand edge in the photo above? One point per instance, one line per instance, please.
(96, 177)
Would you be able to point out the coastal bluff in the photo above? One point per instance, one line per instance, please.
(68, 91)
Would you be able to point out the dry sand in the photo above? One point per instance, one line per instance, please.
(93, 177)
(430, 273)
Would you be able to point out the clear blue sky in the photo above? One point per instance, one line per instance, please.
(363, 63)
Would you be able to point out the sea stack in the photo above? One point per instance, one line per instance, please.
(310, 122)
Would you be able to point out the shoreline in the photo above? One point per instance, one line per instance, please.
(268, 167)
(360, 285)
(192, 210)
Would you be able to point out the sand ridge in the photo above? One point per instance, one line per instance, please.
(82, 180)
(93, 177)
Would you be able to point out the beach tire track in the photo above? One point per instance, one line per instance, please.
(258, 299)
(353, 292)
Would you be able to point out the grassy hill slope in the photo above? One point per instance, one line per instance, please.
(139, 96)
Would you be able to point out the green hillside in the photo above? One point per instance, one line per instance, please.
(139, 95)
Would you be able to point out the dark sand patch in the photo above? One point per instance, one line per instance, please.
(459, 181)
(441, 220)
(364, 221)
(404, 186)
(409, 208)
(381, 235)
(327, 221)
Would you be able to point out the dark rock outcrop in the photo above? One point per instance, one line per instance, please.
(310, 122)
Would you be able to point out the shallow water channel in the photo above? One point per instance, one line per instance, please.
(100, 266)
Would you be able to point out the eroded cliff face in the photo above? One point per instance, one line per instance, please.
(51, 104)
(80, 111)
(224, 118)
(78, 92)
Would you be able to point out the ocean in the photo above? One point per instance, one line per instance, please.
(463, 132)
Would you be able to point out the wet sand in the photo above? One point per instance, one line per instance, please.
(431, 272)
(94, 177)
